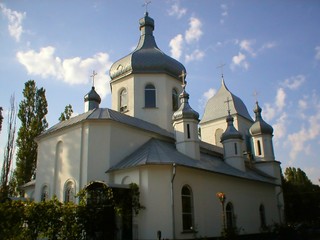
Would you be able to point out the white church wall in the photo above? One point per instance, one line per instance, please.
(55, 168)
(246, 197)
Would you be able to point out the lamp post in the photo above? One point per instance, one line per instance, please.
(222, 198)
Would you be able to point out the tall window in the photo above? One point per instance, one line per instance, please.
(262, 216)
(150, 96)
(175, 100)
(187, 208)
(235, 149)
(230, 216)
(123, 100)
(69, 192)
(259, 147)
(45, 193)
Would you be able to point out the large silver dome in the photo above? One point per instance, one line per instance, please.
(147, 57)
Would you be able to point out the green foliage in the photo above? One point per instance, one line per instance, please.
(54, 220)
(66, 114)
(32, 114)
(1, 118)
(301, 197)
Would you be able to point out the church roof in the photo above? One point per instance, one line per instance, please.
(216, 109)
(108, 114)
(231, 132)
(157, 152)
(260, 126)
(92, 96)
(147, 57)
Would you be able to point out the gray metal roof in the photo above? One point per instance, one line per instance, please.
(147, 57)
(108, 114)
(216, 107)
(260, 126)
(157, 152)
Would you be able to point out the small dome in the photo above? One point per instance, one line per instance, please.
(215, 108)
(260, 126)
(147, 57)
(92, 96)
(231, 132)
(185, 111)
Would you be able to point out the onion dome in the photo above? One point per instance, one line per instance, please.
(93, 98)
(185, 111)
(231, 132)
(215, 108)
(260, 126)
(147, 57)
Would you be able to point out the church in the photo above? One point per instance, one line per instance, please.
(196, 176)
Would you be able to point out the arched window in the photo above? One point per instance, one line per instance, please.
(45, 193)
(230, 216)
(262, 216)
(69, 192)
(175, 100)
(259, 147)
(235, 149)
(187, 208)
(150, 96)
(218, 135)
(123, 100)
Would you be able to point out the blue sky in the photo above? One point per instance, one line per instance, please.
(268, 47)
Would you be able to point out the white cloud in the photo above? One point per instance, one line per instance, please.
(280, 99)
(240, 61)
(247, 46)
(176, 46)
(317, 56)
(205, 97)
(15, 21)
(224, 12)
(299, 141)
(194, 32)
(268, 45)
(269, 112)
(280, 127)
(294, 82)
(195, 55)
(177, 11)
(302, 104)
(72, 71)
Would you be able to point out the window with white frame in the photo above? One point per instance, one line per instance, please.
(187, 208)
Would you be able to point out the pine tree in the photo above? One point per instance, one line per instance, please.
(66, 114)
(32, 114)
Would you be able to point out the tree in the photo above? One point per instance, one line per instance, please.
(66, 114)
(9, 150)
(32, 114)
(1, 118)
(301, 196)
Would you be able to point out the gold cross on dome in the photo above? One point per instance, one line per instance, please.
(183, 77)
(221, 68)
(255, 94)
(146, 3)
(228, 104)
(92, 76)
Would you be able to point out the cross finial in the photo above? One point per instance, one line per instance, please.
(92, 76)
(183, 77)
(228, 104)
(255, 94)
(221, 68)
(146, 3)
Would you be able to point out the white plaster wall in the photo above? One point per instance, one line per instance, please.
(46, 162)
(135, 84)
(155, 188)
